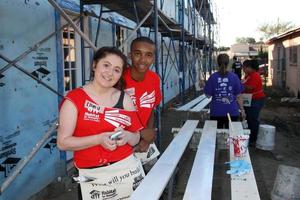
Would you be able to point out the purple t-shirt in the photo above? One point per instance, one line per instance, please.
(223, 90)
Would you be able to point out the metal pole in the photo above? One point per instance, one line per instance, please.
(82, 44)
(155, 13)
(162, 70)
(200, 7)
(76, 28)
(182, 52)
(113, 32)
(155, 18)
(33, 48)
(194, 74)
(136, 28)
(210, 48)
(136, 16)
(31, 76)
(98, 26)
(169, 29)
(12, 176)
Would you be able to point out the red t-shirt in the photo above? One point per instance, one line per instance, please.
(93, 119)
(145, 94)
(253, 80)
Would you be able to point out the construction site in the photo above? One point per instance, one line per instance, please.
(46, 50)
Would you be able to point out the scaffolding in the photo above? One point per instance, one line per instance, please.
(160, 24)
(168, 34)
(190, 43)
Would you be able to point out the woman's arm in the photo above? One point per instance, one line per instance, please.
(67, 124)
(240, 102)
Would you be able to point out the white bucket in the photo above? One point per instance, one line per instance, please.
(287, 184)
(266, 137)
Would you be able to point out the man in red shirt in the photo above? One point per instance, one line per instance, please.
(143, 85)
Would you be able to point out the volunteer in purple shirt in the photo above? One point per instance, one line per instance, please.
(225, 88)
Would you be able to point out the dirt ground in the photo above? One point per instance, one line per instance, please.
(284, 116)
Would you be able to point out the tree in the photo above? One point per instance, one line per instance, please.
(245, 40)
(271, 29)
(224, 48)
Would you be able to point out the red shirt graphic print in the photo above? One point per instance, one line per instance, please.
(93, 119)
(145, 94)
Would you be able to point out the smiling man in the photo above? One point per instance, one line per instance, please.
(143, 85)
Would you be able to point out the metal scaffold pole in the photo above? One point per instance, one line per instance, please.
(12, 176)
(181, 56)
(76, 28)
(33, 48)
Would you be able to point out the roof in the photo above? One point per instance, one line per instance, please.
(287, 34)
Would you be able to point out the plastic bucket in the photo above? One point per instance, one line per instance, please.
(240, 145)
(287, 184)
(266, 137)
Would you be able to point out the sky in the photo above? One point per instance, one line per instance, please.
(241, 18)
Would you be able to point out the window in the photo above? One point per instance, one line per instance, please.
(120, 38)
(293, 55)
(71, 61)
(278, 57)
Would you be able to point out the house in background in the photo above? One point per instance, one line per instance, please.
(243, 51)
(284, 53)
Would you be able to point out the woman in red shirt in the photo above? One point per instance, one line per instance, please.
(253, 85)
(89, 117)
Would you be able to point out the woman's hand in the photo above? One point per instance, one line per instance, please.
(123, 138)
(127, 137)
(106, 142)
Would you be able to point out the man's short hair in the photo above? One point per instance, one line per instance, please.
(141, 39)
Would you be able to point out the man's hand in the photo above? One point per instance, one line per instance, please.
(142, 146)
(148, 134)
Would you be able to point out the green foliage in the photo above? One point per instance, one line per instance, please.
(263, 54)
(224, 48)
(245, 40)
(271, 29)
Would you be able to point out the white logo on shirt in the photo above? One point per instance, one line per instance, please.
(147, 100)
(92, 107)
(116, 119)
(93, 110)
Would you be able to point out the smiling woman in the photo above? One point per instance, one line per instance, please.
(108, 57)
(108, 71)
(90, 117)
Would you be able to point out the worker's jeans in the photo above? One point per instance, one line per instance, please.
(252, 116)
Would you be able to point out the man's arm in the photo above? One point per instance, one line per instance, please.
(148, 135)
